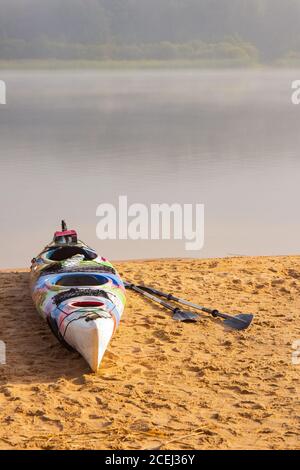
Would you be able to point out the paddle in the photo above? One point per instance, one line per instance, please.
(237, 322)
(178, 314)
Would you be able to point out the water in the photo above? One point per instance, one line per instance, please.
(228, 139)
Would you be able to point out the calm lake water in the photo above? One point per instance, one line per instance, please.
(228, 139)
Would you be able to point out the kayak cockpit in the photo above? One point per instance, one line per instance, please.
(76, 280)
(67, 252)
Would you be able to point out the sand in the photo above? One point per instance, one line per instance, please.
(162, 385)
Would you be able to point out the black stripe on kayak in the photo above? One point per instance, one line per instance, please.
(70, 294)
(57, 269)
(54, 328)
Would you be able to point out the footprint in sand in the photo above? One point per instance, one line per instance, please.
(150, 341)
(294, 274)
(241, 391)
(163, 336)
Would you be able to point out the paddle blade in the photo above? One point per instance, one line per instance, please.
(239, 322)
(182, 315)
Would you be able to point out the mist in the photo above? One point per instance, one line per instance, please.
(248, 31)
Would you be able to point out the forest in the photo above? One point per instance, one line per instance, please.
(246, 31)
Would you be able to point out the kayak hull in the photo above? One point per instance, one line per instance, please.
(81, 296)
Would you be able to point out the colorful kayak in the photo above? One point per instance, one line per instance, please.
(79, 294)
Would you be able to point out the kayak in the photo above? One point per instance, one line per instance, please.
(79, 294)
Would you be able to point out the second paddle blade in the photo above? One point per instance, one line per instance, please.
(182, 315)
(239, 322)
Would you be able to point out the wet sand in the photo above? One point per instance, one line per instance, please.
(162, 384)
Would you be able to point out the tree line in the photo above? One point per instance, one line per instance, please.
(243, 30)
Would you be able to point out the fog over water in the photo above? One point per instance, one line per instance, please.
(227, 139)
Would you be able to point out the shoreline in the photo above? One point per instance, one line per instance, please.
(119, 65)
(179, 259)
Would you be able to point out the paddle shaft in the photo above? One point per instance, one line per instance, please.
(214, 313)
(178, 314)
(152, 297)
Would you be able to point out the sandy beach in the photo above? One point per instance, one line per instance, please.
(163, 384)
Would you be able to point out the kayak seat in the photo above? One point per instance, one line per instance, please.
(81, 280)
(67, 252)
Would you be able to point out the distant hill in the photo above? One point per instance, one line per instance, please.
(242, 30)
